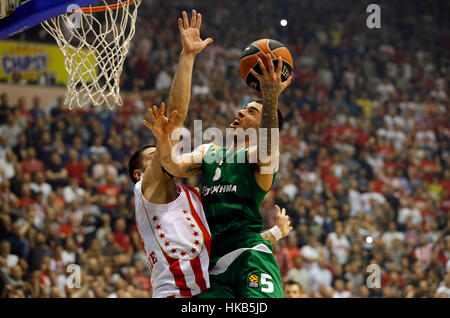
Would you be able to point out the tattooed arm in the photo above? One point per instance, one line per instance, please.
(180, 90)
(271, 88)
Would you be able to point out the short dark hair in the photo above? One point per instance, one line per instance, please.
(291, 282)
(135, 161)
(280, 114)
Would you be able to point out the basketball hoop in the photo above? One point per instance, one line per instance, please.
(95, 41)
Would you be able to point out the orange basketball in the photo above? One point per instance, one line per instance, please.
(268, 46)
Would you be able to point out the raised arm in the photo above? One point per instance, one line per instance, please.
(271, 88)
(180, 91)
(179, 97)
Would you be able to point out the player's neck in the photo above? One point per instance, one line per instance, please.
(240, 143)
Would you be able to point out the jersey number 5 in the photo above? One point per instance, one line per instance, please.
(266, 284)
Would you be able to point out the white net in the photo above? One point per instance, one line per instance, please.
(95, 42)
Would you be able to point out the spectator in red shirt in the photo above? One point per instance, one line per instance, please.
(32, 165)
(121, 237)
(25, 197)
(110, 192)
(75, 168)
(283, 257)
(324, 162)
(293, 248)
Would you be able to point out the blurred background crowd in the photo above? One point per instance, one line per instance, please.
(365, 155)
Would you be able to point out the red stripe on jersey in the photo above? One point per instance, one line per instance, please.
(197, 268)
(195, 191)
(178, 275)
(206, 235)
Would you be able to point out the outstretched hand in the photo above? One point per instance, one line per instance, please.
(190, 33)
(283, 221)
(270, 80)
(160, 125)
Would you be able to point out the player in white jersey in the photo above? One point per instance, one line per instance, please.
(171, 223)
(176, 240)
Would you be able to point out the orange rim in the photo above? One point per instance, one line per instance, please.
(104, 8)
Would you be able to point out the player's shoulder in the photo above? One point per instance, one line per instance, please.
(210, 148)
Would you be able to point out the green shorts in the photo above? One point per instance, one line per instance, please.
(246, 273)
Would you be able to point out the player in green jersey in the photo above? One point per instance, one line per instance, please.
(235, 181)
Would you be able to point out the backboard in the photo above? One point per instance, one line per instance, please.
(33, 12)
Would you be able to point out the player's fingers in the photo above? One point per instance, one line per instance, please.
(185, 20)
(193, 19)
(198, 25)
(279, 67)
(208, 41)
(180, 24)
(155, 111)
(255, 74)
(162, 109)
(286, 83)
(269, 62)
(152, 115)
(277, 209)
(291, 229)
(283, 211)
(172, 117)
(262, 66)
(147, 124)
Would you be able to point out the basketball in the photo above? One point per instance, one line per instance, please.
(249, 60)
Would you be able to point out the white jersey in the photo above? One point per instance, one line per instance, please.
(176, 240)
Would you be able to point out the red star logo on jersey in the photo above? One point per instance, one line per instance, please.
(188, 219)
(162, 235)
(192, 225)
(193, 250)
(182, 254)
(166, 244)
(195, 233)
(197, 242)
(184, 211)
(155, 218)
(158, 227)
(173, 250)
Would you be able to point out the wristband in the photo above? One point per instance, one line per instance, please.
(276, 232)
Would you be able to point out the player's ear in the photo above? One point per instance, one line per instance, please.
(137, 174)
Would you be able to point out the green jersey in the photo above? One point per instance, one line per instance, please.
(231, 200)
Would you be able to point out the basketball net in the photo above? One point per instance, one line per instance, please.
(95, 41)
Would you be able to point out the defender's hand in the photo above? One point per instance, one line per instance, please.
(160, 126)
(270, 80)
(283, 221)
(190, 33)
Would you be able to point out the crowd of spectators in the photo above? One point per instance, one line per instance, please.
(365, 153)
